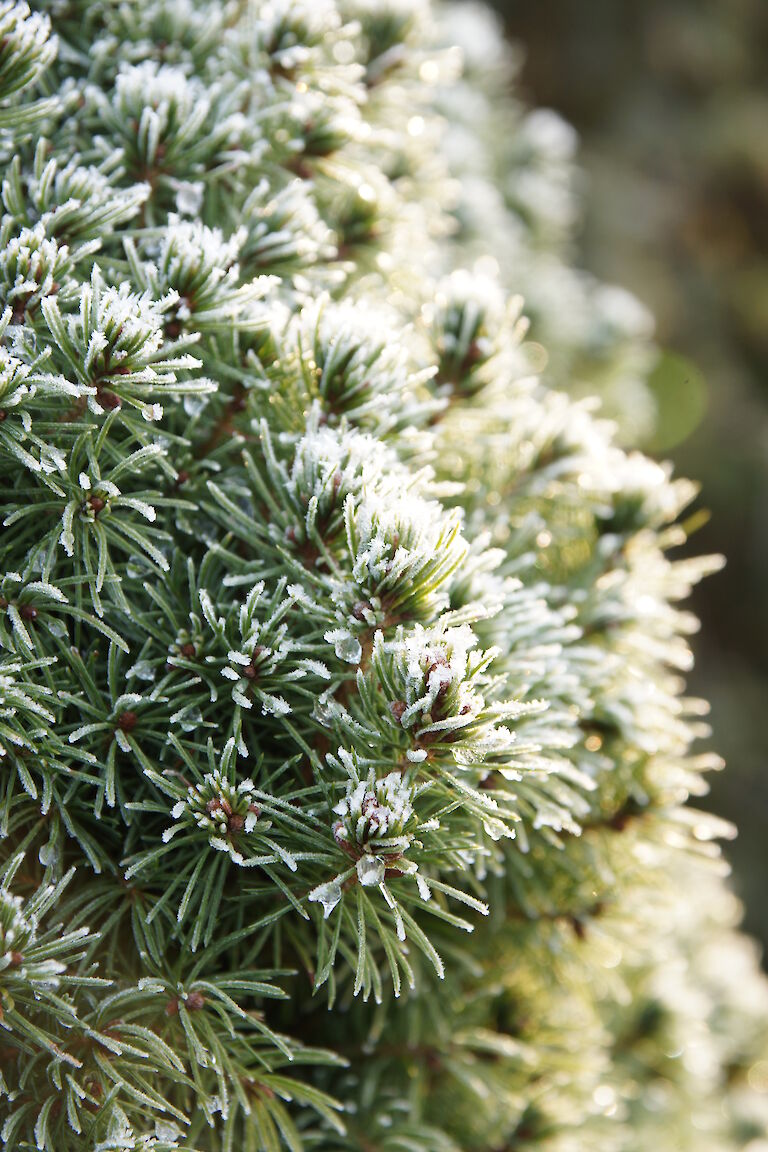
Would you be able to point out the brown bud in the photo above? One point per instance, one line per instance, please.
(579, 928)
(474, 353)
(620, 821)
(127, 721)
(188, 651)
(440, 660)
(96, 503)
(194, 1002)
(16, 959)
(235, 822)
(3, 414)
(359, 610)
(182, 478)
(397, 708)
(213, 805)
(28, 612)
(250, 672)
(109, 399)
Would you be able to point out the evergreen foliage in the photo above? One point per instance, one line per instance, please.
(345, 745)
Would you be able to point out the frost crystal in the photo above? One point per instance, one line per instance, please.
(17, 931)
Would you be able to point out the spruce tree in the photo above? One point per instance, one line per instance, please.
(345, 745)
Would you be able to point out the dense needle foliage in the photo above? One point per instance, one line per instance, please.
(345, 749)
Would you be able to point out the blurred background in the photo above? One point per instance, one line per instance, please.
(670, 99)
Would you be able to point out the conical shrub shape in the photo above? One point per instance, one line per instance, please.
(345, 749)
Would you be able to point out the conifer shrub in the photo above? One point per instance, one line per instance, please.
(345, 745)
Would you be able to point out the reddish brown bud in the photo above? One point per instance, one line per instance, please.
(109, 399)
(397, 708)
(127, 721)
(249, 672)
(16, 959)
(213, 805)
(235, 822)
(440, 660)
(194, 1002)
(28, 612)
(96, 503)
(474, 353)
(188, 651)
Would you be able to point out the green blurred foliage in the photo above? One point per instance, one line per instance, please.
(670, 98)
(680, 391)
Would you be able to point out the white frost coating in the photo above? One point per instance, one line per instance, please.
(376, 813)
(222, 809)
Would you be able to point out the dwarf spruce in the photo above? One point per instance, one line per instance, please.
(345, 753)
